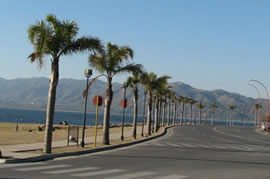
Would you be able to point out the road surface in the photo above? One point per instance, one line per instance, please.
(190, 152)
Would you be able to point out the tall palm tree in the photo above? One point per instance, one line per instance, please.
(114, 61)
(213, 107)
(156, 116)
(164, 93)
(152, 83)
(257, 113)
(200, 106)
(191, 102)
(133, 82)
(175, 100)
(169, 97)
(55, 38)
(232, 107)
(183, 101)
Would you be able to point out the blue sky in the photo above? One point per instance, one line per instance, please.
(209, 44)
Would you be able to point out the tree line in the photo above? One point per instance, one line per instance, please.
(55, 38)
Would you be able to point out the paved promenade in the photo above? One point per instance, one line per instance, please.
(13, 151)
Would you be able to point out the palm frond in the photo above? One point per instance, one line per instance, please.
(83, 44)
(98, 62)
(90, 84)
(128, 68)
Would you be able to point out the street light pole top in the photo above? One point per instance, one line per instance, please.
(88, 72)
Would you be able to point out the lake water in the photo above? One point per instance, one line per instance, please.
(13, 115)
(73, 118)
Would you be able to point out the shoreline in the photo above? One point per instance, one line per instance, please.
(62, 110)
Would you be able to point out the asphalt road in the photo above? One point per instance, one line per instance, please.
(198, 152)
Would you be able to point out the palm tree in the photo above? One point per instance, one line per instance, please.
(152, 83)
(175, 100)
(164, 93)
(191, 102)
(113, 61)
(55, 38)
(257, 113)
(200, 106)
(133, 82)
(212, 107)
(156, 116)
(169, 96)
(232, 107)
(183, 101)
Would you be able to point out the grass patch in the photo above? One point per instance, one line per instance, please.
(29, 133)
(91, 145)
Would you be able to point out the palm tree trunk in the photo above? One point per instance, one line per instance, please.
(159, 112)
(174, 115)
(256, 117)
(213, 114)
(54, 78)
(190, 121)
(200, 116)
(164, 112)
(135, 101)
(156, 114)
(149, 112)
(231, 118)
(182, 118)
(169, 113)
(107, 109)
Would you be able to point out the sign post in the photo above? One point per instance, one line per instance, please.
(97, 100)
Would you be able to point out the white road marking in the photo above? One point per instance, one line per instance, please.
(88, 174)
(236, 136)
(132, 175)
(71, 170)
(158, 144)
(174, 145)
(235, 147)
(188, 145)
(218, 146)
(41, 168)
(19, 165)
(204, 146)
(172, 177)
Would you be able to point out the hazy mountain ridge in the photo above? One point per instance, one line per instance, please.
(32, 93)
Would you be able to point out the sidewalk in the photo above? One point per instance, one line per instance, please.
(13, 151)
(14, 155)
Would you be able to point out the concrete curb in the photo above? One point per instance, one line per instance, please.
(53, 156)
(261, 131)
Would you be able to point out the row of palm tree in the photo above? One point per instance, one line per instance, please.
(54, 38)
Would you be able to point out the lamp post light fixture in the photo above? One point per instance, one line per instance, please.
(256, 123)
(267, 103)
(242, 118)
(87, 73)
(221, 116)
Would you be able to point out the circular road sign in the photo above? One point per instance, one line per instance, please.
(123, 103)
(99, 99)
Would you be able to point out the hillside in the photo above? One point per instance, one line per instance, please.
(32, 93)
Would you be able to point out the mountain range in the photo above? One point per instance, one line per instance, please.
(33, 92)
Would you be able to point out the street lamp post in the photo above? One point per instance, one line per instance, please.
(267, 103)
(87, 73)
(124, 106)
(259, 96)
(221, 116)
(242, 118)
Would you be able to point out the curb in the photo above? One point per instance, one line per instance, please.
(53, 156)
(260, 131)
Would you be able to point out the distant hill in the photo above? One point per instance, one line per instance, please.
(32, 93)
